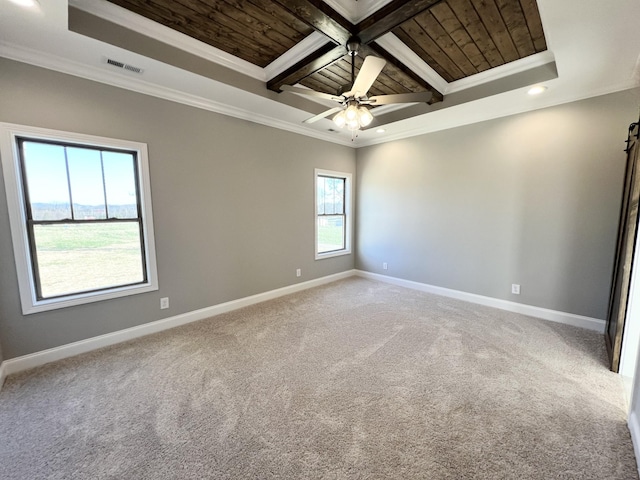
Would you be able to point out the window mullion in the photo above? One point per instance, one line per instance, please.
(85, 222)
(25, 186)
(334, 195)
(104, 185)
(29, 223)
(139, 197)
(33, 253)
(324, 195)
(66, 163)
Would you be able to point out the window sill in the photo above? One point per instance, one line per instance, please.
(337, 253)
(32, 306)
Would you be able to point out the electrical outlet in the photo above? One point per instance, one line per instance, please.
(515, 289)
(164, 303)
(298, 272)
(384, 265)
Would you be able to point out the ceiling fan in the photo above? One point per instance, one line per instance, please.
(354, 112)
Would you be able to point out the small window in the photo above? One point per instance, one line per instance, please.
(80, 212)
(333, 213)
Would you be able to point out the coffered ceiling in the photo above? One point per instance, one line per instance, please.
(455, 38)
(477, 57)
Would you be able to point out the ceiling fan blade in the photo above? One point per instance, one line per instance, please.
(371, 68)
(417, 97)
(322, 115)
(313, 93)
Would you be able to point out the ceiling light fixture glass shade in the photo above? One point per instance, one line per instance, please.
(351, 112)
(364, 116)
(354, 117)
(340, 119)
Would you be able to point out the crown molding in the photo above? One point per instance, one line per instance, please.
(138, 23)
(495, 73)
(129, 82)
(436, 126)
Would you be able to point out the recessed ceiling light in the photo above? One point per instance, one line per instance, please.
(26, 3)
(537, 90)
(380, 130)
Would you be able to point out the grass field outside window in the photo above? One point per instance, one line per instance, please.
(76, 258)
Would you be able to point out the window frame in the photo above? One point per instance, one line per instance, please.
(10, 137)
(348, 218)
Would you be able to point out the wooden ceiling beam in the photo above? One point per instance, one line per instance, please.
(321, 17)
(377, 50)
(321, 58)
(389, 17)
(324, 19)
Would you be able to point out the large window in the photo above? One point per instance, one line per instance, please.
(333, 213)
(80, 211)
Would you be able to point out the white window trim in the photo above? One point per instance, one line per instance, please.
(348, 209)
(15, 202)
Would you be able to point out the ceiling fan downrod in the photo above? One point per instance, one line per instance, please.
(353, 45)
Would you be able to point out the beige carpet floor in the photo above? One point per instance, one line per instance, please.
(356, 379)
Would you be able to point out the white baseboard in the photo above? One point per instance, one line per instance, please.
(634, 429)
(543, 313)
(3, 374)
(26, 362)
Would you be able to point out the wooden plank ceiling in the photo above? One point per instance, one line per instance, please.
(457, 38)
(258, 31)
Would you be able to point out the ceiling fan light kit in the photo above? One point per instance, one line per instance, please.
(353, 117)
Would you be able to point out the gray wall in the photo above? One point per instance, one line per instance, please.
(232, 203)
(530, 199)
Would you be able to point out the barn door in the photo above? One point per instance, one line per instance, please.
(627, 232)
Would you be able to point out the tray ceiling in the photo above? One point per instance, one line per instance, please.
(454, 38)
(586, 49)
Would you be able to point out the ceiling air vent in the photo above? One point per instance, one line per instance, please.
(123, 65)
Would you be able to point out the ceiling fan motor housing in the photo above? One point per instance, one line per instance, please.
(353, 45)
